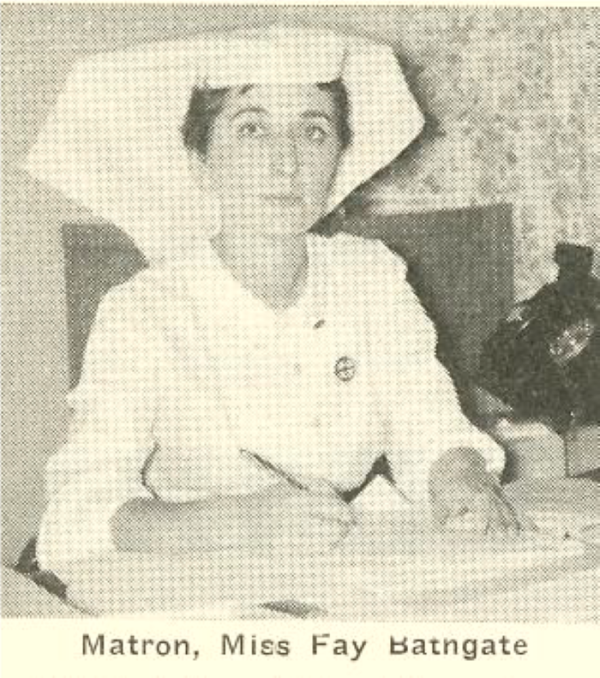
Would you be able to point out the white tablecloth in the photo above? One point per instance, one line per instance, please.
(394, 566)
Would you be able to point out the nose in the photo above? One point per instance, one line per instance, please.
(284, 155)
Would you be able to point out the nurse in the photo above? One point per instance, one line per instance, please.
(236, 391)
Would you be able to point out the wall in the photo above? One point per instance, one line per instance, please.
(514, 95)
(512, 102)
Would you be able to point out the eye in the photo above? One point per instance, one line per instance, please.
(251, 130)
(316, 134)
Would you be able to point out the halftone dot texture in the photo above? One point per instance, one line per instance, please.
(220, 371)
(113, 141)
(184, 358)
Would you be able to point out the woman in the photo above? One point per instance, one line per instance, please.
(259, 346)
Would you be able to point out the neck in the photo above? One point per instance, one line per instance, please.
(273, 268)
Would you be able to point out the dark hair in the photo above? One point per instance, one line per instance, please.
(206, 104)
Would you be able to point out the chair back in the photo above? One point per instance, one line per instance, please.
(97, 257)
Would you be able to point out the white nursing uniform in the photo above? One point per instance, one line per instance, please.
(184, 368)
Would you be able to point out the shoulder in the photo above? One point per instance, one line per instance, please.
(141, 300)
(374, 277)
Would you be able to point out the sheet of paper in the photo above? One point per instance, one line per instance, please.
(560, 506)
(388, 562)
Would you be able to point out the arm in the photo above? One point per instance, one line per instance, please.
(110, 434)
(437, 453)
(148, 525)
(273, 516)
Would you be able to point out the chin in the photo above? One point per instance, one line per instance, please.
(282, 223)
(284, 232)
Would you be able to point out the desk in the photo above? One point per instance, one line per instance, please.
(419, 575)
(534, 450)
(583, 451)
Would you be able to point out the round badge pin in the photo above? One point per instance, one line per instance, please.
(345, 368)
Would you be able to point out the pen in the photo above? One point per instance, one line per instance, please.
(265, 463)
(281, 473)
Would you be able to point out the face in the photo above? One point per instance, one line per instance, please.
(272, 158)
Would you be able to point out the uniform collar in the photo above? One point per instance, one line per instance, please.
(211, 283)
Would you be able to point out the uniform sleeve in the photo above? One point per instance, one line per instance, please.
(424, 414)
(110, 434)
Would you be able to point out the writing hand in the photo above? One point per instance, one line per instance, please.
(461, 486)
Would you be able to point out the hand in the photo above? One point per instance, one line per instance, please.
(312, 520)
(461, 486)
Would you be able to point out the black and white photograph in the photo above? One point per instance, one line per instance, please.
(300, 315)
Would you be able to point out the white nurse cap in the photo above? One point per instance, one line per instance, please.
(113, 144)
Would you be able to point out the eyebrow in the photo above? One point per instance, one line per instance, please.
(249, 109)
(318, 114)
(260, 111)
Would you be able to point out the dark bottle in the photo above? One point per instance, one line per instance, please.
(544, 358)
